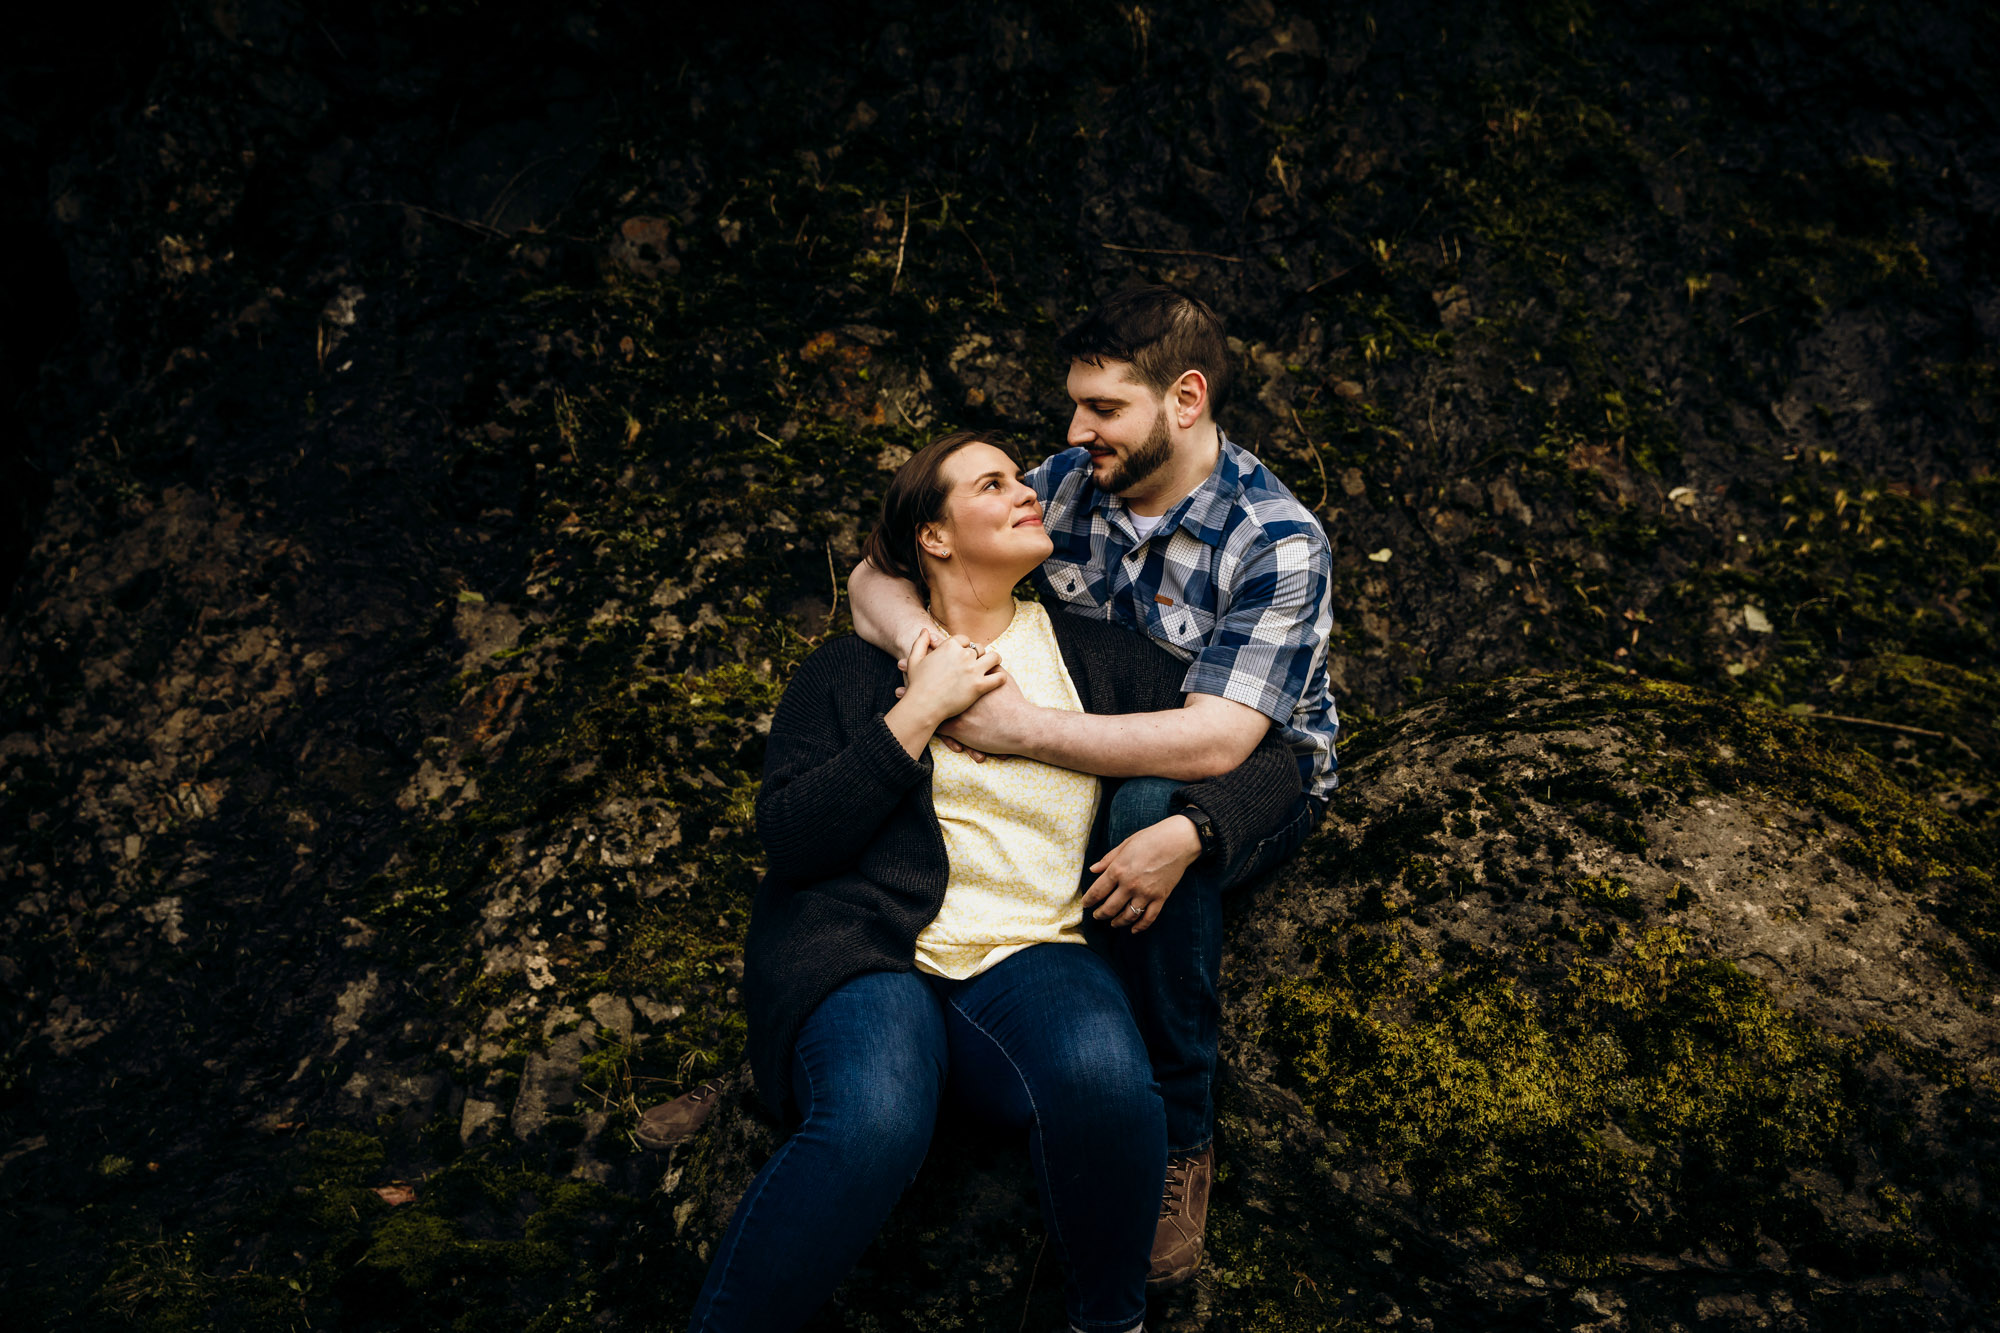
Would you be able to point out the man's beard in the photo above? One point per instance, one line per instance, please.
(1151, 455)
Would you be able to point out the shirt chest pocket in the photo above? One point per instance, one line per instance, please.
(1073, 584)
(1183, 629)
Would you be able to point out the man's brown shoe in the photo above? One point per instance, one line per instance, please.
(1177, 1244)
(676, 1121)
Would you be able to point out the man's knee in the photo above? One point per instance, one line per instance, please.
(1102, 1066)
(1140, 803)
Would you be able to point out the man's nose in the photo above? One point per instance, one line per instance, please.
(1079, 429)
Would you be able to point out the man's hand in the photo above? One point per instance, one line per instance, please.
(1141, 872)
(996, 723)
(944, 681)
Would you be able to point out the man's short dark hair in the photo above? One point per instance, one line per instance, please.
(1162, 332)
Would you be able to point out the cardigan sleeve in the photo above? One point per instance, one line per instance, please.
(833, 771)
(1249, 804)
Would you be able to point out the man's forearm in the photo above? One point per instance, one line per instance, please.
(1174, 744)
(887, 611)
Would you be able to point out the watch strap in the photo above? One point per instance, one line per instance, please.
(1203, 826)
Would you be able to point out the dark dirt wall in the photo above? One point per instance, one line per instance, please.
(444, 427)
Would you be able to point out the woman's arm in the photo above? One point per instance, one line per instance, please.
(834, 769)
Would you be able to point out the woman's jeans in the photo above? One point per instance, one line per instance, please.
(1042, 1041)
(1173, 968)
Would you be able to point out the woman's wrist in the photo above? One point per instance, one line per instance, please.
(913, 723)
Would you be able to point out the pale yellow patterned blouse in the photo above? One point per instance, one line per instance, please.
(1015, 829)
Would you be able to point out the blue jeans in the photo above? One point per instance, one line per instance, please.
(1173, 969)
(1042, 1041)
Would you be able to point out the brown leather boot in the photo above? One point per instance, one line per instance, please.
(676, 1121)
(1177, 1244)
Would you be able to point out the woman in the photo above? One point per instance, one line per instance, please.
(921, 924)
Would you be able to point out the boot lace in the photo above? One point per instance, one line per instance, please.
(1175, 1195)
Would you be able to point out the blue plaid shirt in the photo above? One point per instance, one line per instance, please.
(1236, 581)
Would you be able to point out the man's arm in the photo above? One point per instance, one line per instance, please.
(1205, 738)
(1264, 652)
(887, 611)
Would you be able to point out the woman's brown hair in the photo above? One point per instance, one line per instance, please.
(916, 496)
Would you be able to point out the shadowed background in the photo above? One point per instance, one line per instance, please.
(437, 430)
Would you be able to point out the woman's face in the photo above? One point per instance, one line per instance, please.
(992, 520)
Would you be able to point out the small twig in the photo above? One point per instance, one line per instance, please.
(1033, 1273)
(480, 228)
(982, 260)
(902, 406)
(1317, 461)
(508, 191)
(833, 579)
(1886, 726)
(1752, 315)
(1156, 250)
(900, 241)
(329, 39)
(1334, 276)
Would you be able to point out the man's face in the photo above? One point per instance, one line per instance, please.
(1121, 422)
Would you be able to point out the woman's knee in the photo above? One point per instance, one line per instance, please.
(868, 1072)
(1140, 803)
(884, 1133)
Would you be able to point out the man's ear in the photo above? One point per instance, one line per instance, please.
(1189, 398)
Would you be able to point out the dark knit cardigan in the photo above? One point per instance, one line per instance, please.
(856, 859)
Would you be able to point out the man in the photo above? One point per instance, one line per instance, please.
(1161, 523)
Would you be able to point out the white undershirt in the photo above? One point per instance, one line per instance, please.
(1143, 525)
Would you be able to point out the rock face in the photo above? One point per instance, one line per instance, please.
(471, 420)
(1581, 1011)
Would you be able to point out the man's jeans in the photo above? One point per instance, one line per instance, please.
(1173, 969)
(1042, 1041)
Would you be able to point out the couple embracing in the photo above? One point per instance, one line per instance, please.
(995, 874)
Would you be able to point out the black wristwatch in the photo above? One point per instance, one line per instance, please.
(1202, 826)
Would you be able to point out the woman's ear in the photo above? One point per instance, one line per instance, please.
(931, 538)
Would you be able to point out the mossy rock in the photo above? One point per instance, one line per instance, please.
(1593, 1003)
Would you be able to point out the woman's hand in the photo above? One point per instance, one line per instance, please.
(1140, 872)
(943, 682)
(930, 636)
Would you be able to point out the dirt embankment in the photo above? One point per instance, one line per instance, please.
(472, 411)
